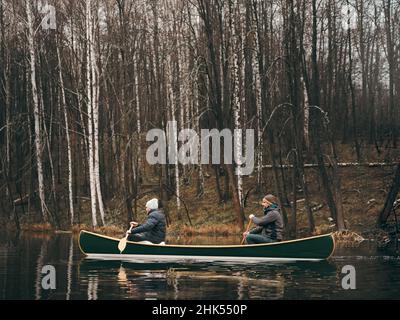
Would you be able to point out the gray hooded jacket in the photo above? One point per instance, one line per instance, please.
(271, 224)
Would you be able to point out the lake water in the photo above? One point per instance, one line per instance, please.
(22, 260)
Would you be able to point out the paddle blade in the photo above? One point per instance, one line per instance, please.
(122, 244)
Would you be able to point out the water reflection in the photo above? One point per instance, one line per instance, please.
(93, 287)
(39, 266)
(69, 268)
(204, 280)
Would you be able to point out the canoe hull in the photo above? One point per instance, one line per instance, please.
(102, 247)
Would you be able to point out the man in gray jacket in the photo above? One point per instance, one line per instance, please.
(154, 229)
(270, 226)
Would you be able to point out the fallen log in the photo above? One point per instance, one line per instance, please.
(340, 164)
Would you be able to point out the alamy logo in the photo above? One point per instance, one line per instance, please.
(349, 280)
(49, 19)
(195, 149)
(49, 278)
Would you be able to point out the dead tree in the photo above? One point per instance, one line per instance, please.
(391, 197)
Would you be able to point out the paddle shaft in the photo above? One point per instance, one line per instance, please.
(247, 230)
(127, 235)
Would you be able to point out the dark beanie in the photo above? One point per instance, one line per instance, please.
(271, 198)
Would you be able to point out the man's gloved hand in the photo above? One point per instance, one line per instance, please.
(251, 216)
(134, 224)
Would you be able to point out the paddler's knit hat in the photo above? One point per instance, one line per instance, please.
(152, 204)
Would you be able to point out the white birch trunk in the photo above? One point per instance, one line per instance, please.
(257, 84)
(197, 126)
(188, 96)
(181, 108)
(187, 93)
(95, 108)
(31, 138)
(182, 87)
(8, 115)
(174, 144)
(306, 115)
(197, 111)
(70, 175)
(236, 109)
(178, 200)
(138, 123)
(36, 112)
(90, 112)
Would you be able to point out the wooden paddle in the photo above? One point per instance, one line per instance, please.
(247, 230)
(123, 241)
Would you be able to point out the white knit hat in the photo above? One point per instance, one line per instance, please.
(152, 204)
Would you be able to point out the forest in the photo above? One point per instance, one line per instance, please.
(83, 82)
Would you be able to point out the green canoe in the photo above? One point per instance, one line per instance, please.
(103, 247)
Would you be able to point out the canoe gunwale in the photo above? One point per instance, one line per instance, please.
(150, 257)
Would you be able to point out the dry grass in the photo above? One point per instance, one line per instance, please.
(37, 227)
(324, 228)
(205, 230)
(76, 228)
(111, 230)
(47, 228)
(107, 230)
(347, 238)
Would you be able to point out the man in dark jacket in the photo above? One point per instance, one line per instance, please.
(270, 226)
(154, 229)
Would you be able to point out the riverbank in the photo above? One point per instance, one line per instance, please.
(345, 238)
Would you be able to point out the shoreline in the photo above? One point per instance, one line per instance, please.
(347, 237)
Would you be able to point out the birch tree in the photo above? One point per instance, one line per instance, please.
(95, 108)
(173, 142)
(36, 111)
(237, 96)
(90, 102)
(69, 147)
(258, 69)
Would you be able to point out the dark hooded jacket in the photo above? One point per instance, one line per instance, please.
(154, 229)
(271, 224)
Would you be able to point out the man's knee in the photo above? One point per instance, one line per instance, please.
(250, 239)
(255, 239)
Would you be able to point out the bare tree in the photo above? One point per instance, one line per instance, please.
(36, 111)
(69, 147)
(90, 105)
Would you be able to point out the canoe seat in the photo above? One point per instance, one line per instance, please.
(148, 242)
